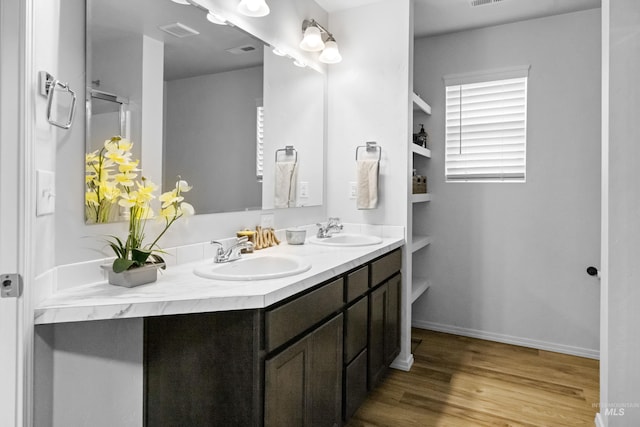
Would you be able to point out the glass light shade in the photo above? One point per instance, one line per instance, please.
(299, 63)
(254, 8)
(330, 54)
(214, 18)
(312, 40)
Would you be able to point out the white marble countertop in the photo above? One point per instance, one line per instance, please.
(179, 291)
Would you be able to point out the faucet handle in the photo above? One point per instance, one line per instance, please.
(220, 250)
(242, 239)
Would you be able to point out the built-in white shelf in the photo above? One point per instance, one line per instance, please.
(420, 104)
(420, 198)
(419, 286)
(421, 151)
(419, 242)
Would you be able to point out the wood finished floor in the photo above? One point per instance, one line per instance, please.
(466, 382)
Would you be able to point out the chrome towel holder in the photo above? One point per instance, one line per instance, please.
(370, 147)
(289, 151)
(48, 85)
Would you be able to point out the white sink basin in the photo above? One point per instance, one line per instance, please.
(255, 267)
(346, 240)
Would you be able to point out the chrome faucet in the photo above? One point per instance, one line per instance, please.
(333, 225)
(233, 253)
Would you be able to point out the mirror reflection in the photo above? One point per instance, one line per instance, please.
(205, 102)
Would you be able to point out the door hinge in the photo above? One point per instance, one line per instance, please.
(10, 285)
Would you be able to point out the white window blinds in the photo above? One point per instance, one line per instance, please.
(259, 142)
(486, 130)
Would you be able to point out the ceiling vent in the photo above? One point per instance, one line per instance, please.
(474, 3)
(241, 49)
(179, 30)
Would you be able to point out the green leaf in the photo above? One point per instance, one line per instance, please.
(120, 265)
(140, 256)
(157, 259)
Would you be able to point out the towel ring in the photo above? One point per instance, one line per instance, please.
(289, 151)
(370, 147)
(48, 85)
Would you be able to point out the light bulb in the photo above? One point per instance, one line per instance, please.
(253, 8)
(214, 18)
(312, 40)
(330, 54)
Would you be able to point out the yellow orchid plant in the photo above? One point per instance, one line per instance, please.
(110, 184)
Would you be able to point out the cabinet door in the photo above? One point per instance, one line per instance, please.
(384, 328)
(392, 320)
(303, 383)
(377, 314)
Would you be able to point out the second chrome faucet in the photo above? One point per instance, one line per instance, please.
(233, 253)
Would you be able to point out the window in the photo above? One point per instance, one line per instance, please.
(486, 126)
(259, 142)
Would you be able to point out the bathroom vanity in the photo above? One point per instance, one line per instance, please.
(301, 351)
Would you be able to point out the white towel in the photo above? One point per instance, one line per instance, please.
(367, 171)
(285, 185)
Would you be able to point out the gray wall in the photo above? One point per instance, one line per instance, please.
(508, 260)
(210, 139)
(620, 376)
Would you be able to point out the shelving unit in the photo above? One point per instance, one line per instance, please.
(419, 283)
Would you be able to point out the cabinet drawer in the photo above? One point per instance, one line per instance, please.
(356, 329)
(289, 320)
(357, 283)
(385, 267)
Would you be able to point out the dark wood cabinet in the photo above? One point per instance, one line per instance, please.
(303, 383)
(305, 361)
(384, 328)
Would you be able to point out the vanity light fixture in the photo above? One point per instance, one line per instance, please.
(253, 8)
(214, 18)
(312, 42)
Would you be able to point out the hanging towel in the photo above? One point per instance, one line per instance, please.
(367, 171)
(286, 178)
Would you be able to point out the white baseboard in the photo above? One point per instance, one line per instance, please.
(599, 420)
(508, 339)
(403, 364)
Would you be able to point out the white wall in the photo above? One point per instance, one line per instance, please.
(620, 377)
(211, 139)
(368, 101)
(508, 260)
(294, 114)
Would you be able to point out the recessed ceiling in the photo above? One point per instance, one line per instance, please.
(434, 17)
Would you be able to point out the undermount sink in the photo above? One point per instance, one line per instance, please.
(346, 239)
(255, 267)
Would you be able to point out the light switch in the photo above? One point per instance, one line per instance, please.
(46, 191)
(353, 190)
(304, 189)
(266, 220)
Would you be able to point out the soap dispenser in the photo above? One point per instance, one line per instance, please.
(423, 137)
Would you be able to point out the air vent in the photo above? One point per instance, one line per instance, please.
(179, 30)
(241, 49)
(474, 3)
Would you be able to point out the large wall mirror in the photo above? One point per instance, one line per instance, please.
(209, 103)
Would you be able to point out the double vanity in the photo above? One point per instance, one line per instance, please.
(235, 345)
